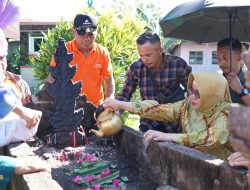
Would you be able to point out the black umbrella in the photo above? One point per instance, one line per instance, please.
(206, 21)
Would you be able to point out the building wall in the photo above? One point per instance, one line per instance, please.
(207, 49)
(25, 31)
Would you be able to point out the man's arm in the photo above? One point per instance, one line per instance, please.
(129, 85)
(109, 85)
(236, 86)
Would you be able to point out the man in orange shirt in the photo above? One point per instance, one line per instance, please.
(93, 61)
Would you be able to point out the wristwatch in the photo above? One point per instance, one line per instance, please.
(244, 92)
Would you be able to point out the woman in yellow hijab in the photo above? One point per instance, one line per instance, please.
(202, 116)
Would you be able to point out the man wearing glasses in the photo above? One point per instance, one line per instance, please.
(159, 77)
(93, 61)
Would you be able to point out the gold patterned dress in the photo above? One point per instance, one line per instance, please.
(205, 128)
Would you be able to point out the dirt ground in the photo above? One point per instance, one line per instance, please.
(103, 149)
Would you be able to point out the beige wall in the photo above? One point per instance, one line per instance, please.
(186, 47)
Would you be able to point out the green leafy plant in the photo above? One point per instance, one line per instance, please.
(118, 33)
(14, 62)
(47, 48)
(152, 24)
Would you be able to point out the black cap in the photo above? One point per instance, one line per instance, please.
(84, 20)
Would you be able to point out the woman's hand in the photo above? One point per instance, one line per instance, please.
(160, 136)
(112, 104)
(117, 105)
(237, 159)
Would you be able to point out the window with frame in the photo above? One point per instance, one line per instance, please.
(196, 57)
(214, 57)
(34, 44)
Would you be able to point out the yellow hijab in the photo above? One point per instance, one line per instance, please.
(213, 89)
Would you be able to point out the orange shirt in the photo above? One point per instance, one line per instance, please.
(90, 70)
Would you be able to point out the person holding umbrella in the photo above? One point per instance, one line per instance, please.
(238, 91)
(237, 159)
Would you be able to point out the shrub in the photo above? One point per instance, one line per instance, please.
(47, 48)
(14, 62)
(119, 34)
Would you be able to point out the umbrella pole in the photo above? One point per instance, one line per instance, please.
(230, 35)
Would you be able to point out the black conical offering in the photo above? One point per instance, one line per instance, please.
(66, 118)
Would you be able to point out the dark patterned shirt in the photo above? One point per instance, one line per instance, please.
(170, 78)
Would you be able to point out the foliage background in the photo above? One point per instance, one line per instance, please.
(14, 59)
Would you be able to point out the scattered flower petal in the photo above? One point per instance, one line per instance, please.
(105, 173)
(77, 179)
(97, 187)
(97, 177)
(116, 182)
(89, 178)
(89, 157)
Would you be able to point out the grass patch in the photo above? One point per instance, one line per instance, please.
(133, 121)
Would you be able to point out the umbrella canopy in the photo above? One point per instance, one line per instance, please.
(206, 21)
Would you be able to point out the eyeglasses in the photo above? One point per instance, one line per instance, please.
(194, 92)
(82, 30)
